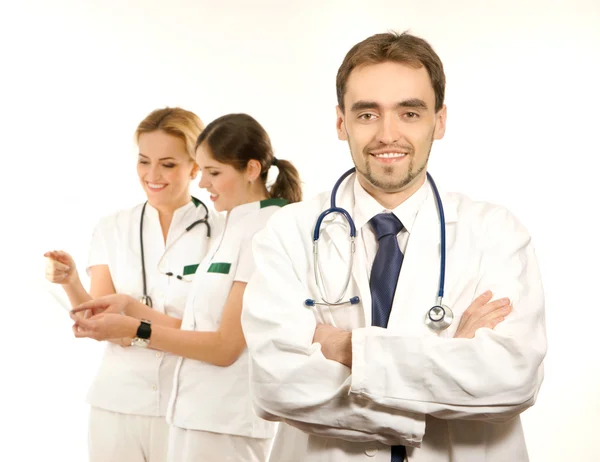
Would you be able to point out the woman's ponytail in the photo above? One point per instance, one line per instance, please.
(287, 185)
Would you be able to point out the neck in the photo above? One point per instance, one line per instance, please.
(166, 212)
(391, 200)
(258, 193)
(255, 195)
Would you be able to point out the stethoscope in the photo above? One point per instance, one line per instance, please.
(438, 318)
(146, 298)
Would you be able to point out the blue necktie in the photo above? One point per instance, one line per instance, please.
(384, 278)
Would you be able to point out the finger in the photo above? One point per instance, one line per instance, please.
(56, 277)
(91, 305)
(84, 334)
(496, 321)
(491, 320)
(499, 313)
(490, 307)
(500, 305)
(482, 299)
(58, 266)
(488, 324)
(85, 324)
(51, 273)
(478, 302)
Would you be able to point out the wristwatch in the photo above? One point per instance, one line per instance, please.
(142, 337)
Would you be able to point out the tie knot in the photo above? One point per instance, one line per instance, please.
(385, 224)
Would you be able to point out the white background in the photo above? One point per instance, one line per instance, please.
(77, 77)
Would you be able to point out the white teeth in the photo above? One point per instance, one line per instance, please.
(156, 186)
(390, 155)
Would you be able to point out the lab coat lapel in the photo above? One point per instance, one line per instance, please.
(418, 283)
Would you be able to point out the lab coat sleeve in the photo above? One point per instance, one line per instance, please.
(98, 253)
(291, 380)
(492, 377)
(245, 265)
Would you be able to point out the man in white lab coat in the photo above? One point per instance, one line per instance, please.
(371, 380)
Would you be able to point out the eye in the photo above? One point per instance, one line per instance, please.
(168, 165)
(411, 115)
(214, 173)
(367, 117)
(145, 162)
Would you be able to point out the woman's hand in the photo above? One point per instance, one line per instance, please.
(60, 267)
(109, 304)
(105, 326)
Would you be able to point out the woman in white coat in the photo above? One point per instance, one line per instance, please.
(146, 251)
(211, 411)
(349, 387)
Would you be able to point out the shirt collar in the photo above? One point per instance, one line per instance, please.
(366, 207)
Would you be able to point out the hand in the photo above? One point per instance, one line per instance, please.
(482, 314)
(114, 303)
(105, 326)
(336, 344)
(60, 267)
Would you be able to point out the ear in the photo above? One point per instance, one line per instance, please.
(440, 123)
(194, 171)
(253, 170)
(340, 125)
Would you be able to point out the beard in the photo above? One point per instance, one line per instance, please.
(390, 180)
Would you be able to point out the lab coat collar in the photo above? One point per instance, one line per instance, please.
(182, 214)
(237, 213)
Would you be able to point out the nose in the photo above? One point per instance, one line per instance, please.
(204, 182)
(388, 130)
(154, 173)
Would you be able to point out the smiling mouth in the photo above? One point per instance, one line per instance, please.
(156, 186)
(389, 155)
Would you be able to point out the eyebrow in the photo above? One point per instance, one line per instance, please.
(413, 103)
(162, 158)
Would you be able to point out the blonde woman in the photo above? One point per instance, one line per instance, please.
(149, 252)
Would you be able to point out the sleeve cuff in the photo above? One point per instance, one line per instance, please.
(357, 385)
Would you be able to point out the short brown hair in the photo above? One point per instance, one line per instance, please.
(175, 121)
(235, 139)
(400, 48)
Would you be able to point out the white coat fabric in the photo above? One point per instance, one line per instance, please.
(446, 399)
(205, 396)
(134, 380)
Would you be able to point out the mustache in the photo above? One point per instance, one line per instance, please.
(392, 147)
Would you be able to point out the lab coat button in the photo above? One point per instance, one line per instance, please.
(371, 452)
(158, 355)
(154, 387)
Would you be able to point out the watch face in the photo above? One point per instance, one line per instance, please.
(140, 342)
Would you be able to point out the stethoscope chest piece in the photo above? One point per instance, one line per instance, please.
(439, 318)
(146, 300)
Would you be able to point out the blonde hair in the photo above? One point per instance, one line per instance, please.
(175, 121)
